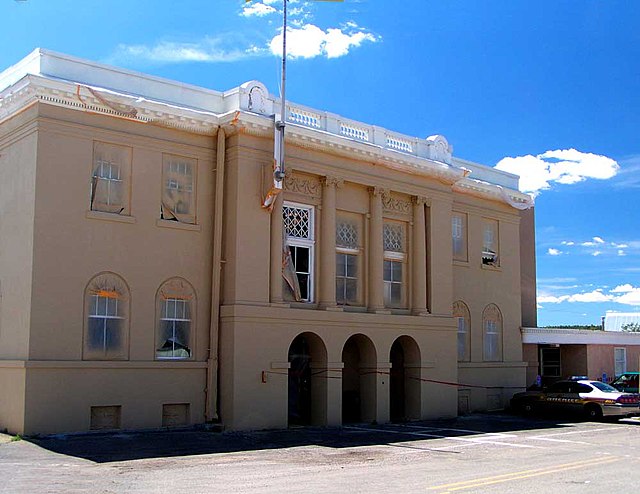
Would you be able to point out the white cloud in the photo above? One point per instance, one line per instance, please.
(621, 252)
(258, 9)
(588, 244)
(564, 166)
(596, 253)
(554, 252)
(598, 240)
(594, 296)
(623, 288)
(565, 242)
(207, 50)
(550, 299)
(309, 41)
(632, 297)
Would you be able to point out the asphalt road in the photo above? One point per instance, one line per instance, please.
(477, 453)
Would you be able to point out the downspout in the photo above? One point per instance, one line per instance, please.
(211, 395)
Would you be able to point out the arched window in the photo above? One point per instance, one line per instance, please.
(492, 333)
(106, 335)
(175, 313)
(463, 319)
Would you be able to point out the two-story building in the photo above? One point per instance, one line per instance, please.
(144, 284)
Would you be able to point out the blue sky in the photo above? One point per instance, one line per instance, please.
(547, 89)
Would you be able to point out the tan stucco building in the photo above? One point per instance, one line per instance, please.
(144, 285)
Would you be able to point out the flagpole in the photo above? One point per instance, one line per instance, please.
(280, 170)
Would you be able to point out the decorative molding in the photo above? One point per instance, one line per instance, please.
(309, 186)
(329, 181)
(391, 204)
(376, 191)
(420, 200)
(247, 109)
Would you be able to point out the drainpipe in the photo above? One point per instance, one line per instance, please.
(211, 392)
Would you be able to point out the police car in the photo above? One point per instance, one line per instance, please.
(592, 399)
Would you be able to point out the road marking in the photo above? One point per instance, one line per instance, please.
(524, 474)
(497, 434)
(540, 438)
(572, 432)
(438, 436)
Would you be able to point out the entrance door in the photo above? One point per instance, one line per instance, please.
(299, 382)
(397, 384)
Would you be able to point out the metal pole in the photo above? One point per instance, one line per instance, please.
(279, 173)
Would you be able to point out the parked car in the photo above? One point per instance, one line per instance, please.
(627, 382)
(592, 399)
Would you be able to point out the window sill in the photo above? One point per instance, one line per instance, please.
(464, 264)
(101, 215)
(353, 308)
(176, 225)
(489, 267)
(303, 305)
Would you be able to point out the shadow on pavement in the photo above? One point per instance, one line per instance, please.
(103, 448)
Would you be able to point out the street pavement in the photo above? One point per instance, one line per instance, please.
(475, 453)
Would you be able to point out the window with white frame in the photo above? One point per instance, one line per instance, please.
(459, 236)
(620, 357)
(394, 268)
(110, 178)
(178, 193)
(298, 222)
(490, 243)
(348, 260)
(106, 327)
(463, 319)
(492, 333)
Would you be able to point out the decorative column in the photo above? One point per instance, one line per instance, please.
(327, 298)
(376, 251)
(419, 258)
(276, 252)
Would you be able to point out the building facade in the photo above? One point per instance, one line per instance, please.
(555, 354)
(144, 284)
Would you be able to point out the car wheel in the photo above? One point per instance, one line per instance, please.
(593, 412)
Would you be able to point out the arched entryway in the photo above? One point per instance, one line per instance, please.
(404, 386)
(307, 393)
(359, 377)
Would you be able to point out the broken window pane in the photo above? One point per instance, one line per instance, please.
(110, 178)
(106, 302)
(178, 198)
(176, 304)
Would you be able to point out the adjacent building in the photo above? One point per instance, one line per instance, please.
(144, 284)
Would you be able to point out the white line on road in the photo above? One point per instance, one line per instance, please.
(437, 436)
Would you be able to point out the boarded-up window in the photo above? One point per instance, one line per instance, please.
(175, 306)
(175, 415)
(107, 318)
(110, 178)
(463, 318)
(492, 334)
(178, 188)
(620, 357)
(105, 418)
(490, 243)
(459, 236)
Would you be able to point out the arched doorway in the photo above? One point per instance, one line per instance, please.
(404, 386)
(359, 377)
(307, 389)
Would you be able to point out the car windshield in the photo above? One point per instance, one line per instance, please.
(604, 387)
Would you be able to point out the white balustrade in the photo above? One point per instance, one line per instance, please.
(354, 131)
(305, 117)
(399, 143)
